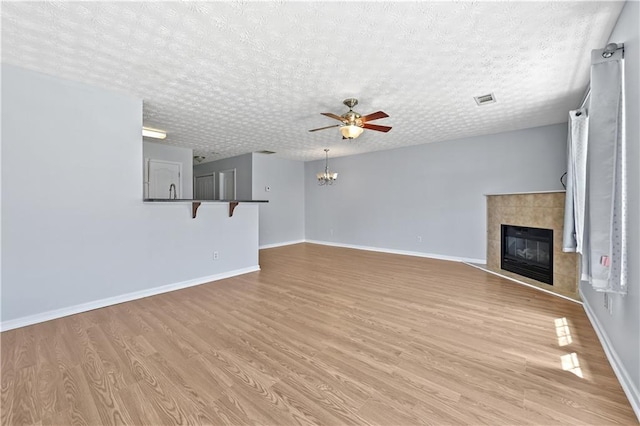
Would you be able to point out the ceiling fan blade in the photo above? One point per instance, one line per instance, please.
(376, 127)
(335, 117)
(374, 116)
(322, 128)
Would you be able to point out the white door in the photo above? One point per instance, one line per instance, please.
(205, 187)
(227, 185)
(164, 179)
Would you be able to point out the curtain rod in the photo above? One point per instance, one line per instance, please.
(611, 48)
(607, 52)
(585, 98)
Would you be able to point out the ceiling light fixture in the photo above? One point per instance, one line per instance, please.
(149, 132)
(351, 131)
(199, 158)
(326, 178)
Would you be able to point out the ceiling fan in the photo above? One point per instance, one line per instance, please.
(353, 124)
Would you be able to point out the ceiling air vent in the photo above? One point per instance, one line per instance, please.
(264, 151)
(485, 99)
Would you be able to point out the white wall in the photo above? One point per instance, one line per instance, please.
(621, 331)
(242, 164)
(387, 199)
(184, 156)
(282, 219)
(75, 231)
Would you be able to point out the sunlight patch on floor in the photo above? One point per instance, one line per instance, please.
(563, 332)
(570, 363)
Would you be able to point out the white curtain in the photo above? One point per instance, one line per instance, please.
(574, 209)
(604, 240)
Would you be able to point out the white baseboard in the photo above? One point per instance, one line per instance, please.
(525, 284)
(96, 304)
(401, 252)
(286, 243)
(627, 384)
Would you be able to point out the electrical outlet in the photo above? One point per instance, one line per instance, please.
(419, 239)
(216, 255)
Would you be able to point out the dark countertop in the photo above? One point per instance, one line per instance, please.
(188, 200)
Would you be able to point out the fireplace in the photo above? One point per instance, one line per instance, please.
(527, 252)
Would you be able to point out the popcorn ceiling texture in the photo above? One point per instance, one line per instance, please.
(237, 77)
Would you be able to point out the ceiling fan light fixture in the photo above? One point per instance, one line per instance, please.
(351, 131)
(352, 124)
(149, 132)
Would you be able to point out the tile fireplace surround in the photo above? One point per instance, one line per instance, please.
(536, 210)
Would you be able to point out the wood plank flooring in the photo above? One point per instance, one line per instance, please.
(321, 335)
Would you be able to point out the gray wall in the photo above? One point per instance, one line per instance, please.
(158, 151)
(241, 163)
(282, 219)
(622, 329)
(74, 227)
(387, 199)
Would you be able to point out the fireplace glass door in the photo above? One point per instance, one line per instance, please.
(528, 252)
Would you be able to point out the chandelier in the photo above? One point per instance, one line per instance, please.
(326, 178)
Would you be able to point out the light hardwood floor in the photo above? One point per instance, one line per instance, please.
(321, 335)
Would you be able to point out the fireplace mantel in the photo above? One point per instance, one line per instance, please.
(542, 209)
(527, 193)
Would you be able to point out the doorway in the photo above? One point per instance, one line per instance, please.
(205, 187)
(227, 185)
(163, 179)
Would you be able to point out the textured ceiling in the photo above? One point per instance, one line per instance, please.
(237, 77)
